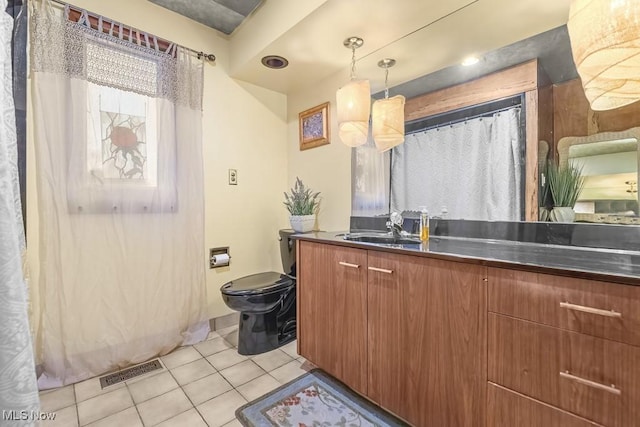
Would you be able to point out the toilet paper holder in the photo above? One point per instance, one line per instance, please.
(215, 255)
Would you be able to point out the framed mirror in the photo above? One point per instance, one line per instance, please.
(609, 163)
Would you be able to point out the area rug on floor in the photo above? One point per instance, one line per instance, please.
(313, 399)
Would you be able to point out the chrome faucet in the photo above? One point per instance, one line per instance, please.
(394, 225)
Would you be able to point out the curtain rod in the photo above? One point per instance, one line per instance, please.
(200, 54)
(463, 114)
(463, 119)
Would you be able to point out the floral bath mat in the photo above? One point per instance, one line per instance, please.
(314, 399)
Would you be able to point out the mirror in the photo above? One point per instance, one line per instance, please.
(609, 163)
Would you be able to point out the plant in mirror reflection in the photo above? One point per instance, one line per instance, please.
(563, 184)
(301, 200)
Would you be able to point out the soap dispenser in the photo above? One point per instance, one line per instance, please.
(424, 224)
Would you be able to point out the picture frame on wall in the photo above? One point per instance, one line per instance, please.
(314, 127)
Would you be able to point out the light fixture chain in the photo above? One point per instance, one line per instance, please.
(386, 83)
(353, 62)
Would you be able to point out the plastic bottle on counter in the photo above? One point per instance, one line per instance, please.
(444, 212)
(424, 224)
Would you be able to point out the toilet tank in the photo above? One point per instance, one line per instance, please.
(288, 252)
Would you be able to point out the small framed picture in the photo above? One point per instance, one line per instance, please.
(314, 127)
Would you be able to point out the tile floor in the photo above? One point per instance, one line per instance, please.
(201, 385)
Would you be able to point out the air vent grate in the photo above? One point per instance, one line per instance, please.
(129, 373)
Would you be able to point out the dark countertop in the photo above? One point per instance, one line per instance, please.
(622, 266)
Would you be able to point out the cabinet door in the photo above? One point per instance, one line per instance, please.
(427, 339)
(332, 316)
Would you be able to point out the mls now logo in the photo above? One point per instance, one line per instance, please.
(28, 416)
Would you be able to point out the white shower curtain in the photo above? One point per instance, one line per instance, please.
(18, 389)
(120, 195)
(472, 169)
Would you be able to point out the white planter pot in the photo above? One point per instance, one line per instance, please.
(562, 214)
(544, 214)
(302, 223)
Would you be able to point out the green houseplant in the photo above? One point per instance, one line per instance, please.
(302, 203)
(562, 189)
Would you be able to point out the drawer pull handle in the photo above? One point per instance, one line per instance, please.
(381, 270)
(611, 389)
(347, 264)
(598, 311)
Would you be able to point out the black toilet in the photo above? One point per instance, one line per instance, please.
(266, 302)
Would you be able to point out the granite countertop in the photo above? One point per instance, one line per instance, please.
(622, 266)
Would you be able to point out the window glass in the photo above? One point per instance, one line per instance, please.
(122, 143)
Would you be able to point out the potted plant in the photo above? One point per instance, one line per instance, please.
(562, 190)
(302, 204)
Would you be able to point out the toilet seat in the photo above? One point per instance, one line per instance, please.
(258, 284)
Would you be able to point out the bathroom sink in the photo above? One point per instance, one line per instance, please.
(381, 238)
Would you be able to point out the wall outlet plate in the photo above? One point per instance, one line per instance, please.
(233, 177)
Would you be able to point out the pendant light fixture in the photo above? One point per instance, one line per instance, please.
(353, 103)
(605, 41)
(388, 114)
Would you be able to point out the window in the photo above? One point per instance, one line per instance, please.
(122, 164)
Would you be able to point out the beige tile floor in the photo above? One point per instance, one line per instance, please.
(201, 385)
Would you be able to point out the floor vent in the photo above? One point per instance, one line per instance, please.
(127, 374)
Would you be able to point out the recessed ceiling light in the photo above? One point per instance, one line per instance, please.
(470, 60)
(274, 61)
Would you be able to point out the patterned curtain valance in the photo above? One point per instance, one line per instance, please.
(113, 55)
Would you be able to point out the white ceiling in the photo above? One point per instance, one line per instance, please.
(424, 36)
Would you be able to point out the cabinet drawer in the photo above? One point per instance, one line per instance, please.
(587, 376)
(601, 309)
(508, 409)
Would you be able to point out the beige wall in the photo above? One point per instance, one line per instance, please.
(244, 128)
(327, 168)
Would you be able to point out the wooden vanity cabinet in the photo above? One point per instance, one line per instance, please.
(444, 343)
(407, 332)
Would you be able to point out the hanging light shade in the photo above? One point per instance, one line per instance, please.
(388, 115)
(353, 103)
(605, 41)
(388, 122)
